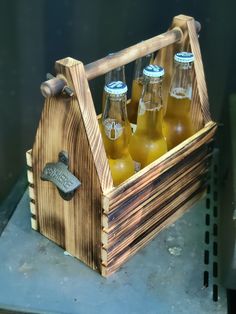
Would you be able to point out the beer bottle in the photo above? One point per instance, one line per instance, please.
(116, 131)
(177, 121)
(137, 86)
(148, 142)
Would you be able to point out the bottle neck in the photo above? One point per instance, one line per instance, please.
(140, 64)
(115, 108)
(116, 130)
(117, 74)
(152, 93)
(182, 80)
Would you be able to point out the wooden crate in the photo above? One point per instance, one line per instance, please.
(104, 225)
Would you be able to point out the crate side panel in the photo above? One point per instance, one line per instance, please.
(74, 224)
(136, 183)
(145, 238)
(157, 185)
(145, 209)
(156, 212)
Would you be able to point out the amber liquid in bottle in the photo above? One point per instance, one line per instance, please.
(178, 125)
(148, 143)
(116, 132)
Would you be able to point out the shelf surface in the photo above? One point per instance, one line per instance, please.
(167, 276)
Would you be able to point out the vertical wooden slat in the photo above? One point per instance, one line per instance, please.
(199, 71)
(196, 109)
(75, 74)
(199, 108)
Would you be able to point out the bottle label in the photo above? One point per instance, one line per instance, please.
(113, 129)
(181, 93)
(137, 166)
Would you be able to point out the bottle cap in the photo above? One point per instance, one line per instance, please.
(153, 70)
(116, 88)
(184, 57)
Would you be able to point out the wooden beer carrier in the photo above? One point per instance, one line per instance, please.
(103, 225)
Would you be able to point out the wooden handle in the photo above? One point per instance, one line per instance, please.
(132, 53)
(198, 26)
(52, 87)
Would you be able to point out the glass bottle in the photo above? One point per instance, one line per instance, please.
(177, 121)
(137, 86)
(148, 142)
(116, 131)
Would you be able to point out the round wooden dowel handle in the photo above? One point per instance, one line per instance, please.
(198, 26)
(52, 87)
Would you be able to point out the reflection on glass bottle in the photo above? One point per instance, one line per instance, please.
(137, 86)
(116, 132)
(177, 121)
(148, 142)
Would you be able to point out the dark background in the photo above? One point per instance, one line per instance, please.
(34, 34)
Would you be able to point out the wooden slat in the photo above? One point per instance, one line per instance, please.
(30, 177)
(120, 226)
(123, 212)
(160, 181)
(144, 176)
(158, 213)
(199, 71)
(107, 270)
(196, 108)
(29, 158)
(33, 208)
(76, 77)
(34, 223)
